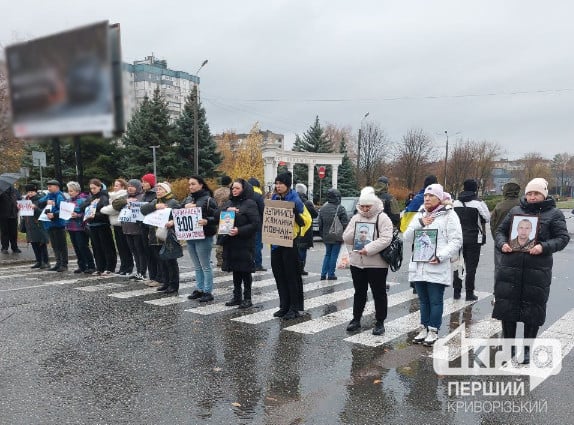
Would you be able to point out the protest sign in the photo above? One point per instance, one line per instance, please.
(186, 224)
(158, 218)
(25, 208)
(66, 210)
(278, 221)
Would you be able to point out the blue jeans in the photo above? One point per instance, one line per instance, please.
(258, 248)
(200, 253)
(431, 303)
(330, 259)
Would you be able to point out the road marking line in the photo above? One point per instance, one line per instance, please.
(102, 287)
(269, 296)
(408, 323)
(343, 316)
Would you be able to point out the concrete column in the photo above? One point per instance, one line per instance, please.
(310, 175)
(335, 175)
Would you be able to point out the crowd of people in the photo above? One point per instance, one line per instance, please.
(443, 232)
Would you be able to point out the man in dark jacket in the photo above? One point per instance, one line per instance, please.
(473, 214)
(307, 240)
(390, 204)
(9, 220)
(511, 192)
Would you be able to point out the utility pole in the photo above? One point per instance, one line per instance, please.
(359, 145)
(153, 148)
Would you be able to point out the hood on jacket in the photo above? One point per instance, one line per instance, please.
(511, 190)
(246, 193)
(117, 194)
(467, 196)
(334, 196)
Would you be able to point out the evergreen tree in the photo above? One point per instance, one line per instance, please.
(148, 127)
(346, 181)
(183, 137)
(313, 140)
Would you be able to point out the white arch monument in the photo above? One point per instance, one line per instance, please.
(273, 155)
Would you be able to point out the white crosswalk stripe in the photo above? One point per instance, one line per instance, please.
(408, 323)
(343, 316)
(102, 287)
(269, 296)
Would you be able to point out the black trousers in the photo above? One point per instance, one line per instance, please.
(377, 279)
(151, 255)
(126, 258)
(247, 279)
(9, 233)
(167, 270)
(471, 253)
(59, 245)
(287, 273)
(81, 243)
(137, 249)
(40, 252)
(104, 249)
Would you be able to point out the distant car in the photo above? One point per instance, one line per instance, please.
(350, 205)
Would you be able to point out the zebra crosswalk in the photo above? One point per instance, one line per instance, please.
(319, 294)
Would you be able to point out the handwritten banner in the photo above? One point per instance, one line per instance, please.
(278, 221)
(25, 208)
(66, 210)
(158, 218)
(186, 224)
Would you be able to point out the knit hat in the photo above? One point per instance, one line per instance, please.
(430, 179)
(165, 186)
(225, 180)
(136, 183)
(470, 185)
(149, 179)
(285, 178)
(254, 182)
(368, 196)
(539, 185)
(301, 188)
(436, 190)
(31, 187)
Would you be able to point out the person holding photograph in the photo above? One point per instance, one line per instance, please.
(36, 234)
(432, 277)
(239, 244)
(523, 241)
(523, 278)
(56, 227)
(367, 267)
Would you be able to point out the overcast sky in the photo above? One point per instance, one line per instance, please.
(500, 71)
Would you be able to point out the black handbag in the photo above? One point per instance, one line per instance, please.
(392, 254)
(171, 248)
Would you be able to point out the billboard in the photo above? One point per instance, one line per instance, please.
(63, 84)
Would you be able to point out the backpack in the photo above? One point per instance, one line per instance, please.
(336, 229)
(392, 254)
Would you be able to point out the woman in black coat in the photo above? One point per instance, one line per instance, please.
(239, 244)
(522, 279)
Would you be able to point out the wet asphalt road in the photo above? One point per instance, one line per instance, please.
(73, 353)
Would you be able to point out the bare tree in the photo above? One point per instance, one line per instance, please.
(485, 154)
(412, 157)
(11, 149)
(562, 168)
(336, 134)
(374, 150)
(533, 165)
(461, 165)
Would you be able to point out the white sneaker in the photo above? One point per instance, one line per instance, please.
(431, 337)
(421, 335)
(133, 276)
(139, 277)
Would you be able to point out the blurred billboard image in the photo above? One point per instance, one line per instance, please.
(62, 84)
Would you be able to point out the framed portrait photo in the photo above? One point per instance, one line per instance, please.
(523, 232)
(364, 233)
(424, 245)
(226, 222)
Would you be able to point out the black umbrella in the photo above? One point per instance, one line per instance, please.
(7, 180)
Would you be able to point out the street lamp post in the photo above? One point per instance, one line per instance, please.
(195, 123)
(445, 158)
(359, 144)
(153, 148)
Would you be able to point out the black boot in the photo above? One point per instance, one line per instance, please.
(37, 265)
(163, 287)
(530, 332)
(470, 296)
(233, 301)
(456, 295)
(246, 303)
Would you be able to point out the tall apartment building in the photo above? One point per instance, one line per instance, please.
(141, 78)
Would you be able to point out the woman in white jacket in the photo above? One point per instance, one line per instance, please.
(432, 277)
(367, 266)
(126, 257)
